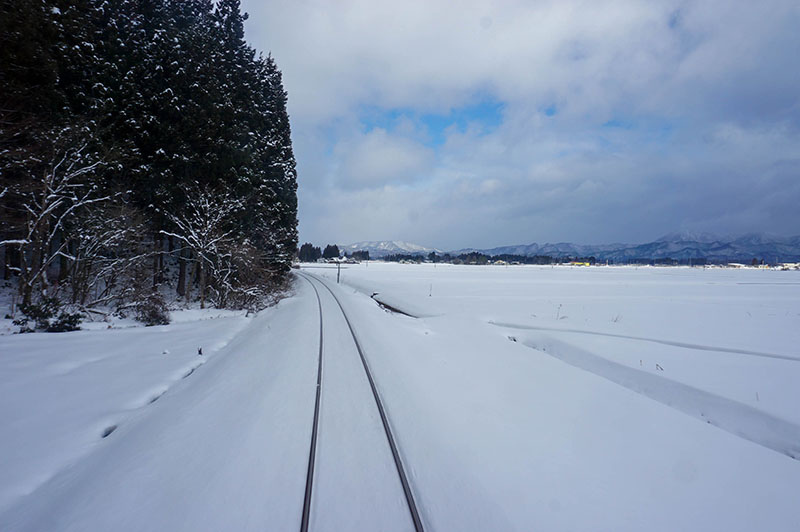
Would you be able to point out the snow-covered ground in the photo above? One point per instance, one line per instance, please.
(59, 393)
(676, 407)
(521, 398)
(218, 450)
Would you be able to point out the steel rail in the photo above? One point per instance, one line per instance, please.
(412, 506)
(312, 453)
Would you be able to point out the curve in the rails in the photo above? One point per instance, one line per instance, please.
(409, 495)
(314, 428)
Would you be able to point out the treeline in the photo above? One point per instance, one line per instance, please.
(310, 253)
(667, 261)
(470, 258)
(482, 258)
(144, 150)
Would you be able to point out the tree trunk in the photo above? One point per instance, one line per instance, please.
(63, 265)
(156, 257)
(181, 289)
(160, 260)
(38, 267)
(24, 285)
(12, 260)
(202, 285)
(190, 284)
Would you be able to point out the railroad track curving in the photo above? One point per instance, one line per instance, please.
(409, 495)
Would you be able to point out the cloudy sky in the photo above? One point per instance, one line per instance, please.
(483, 123)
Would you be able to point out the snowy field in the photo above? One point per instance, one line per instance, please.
(573, 398)
(59, 393)
(521, 398)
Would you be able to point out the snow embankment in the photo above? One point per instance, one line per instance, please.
(389, 298)
(225, 449)
(59, 393)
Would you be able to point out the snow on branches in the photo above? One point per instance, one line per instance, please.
(206, 228)
(137, 139)
(58, 190)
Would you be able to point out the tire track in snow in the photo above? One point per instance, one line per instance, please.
(732, 416)
(696, 347)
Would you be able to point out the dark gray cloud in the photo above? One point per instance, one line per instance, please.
(615, 121)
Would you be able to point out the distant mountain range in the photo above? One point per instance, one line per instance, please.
(678, 246)
(378, 249)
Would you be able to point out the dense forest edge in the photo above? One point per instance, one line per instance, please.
(145, 161)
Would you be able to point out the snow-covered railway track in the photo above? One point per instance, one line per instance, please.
(326, 405)
(315, 426)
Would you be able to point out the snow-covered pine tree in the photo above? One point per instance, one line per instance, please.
(282, 166)
(28, 97)
(169, 100)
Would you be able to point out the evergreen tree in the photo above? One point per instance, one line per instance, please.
(170, 105)
(309, 253)
(331, 251)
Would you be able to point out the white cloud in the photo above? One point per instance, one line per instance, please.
(706, 94)
(378, 158)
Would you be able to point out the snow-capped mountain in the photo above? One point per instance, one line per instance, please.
(688, 236)
(678, 246)
(381, 248)
(559, 249)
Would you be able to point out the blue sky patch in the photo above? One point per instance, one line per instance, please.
(487, 115)
(618, 123)
(550, 110)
